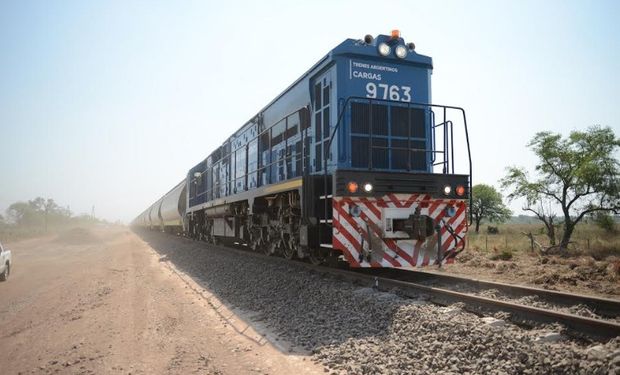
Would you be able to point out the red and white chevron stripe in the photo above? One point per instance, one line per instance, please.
(353, 235)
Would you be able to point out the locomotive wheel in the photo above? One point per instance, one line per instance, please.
(316, 257)
(289, 247)
(269, 249)
(253, 246)
(257, 244)
(288, 252)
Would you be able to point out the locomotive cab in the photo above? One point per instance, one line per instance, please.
(390, 193)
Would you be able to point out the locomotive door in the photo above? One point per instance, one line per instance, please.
(322, 99)
(322, 211)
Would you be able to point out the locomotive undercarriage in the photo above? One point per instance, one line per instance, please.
(272, 226)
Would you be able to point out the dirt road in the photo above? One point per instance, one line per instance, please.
(102, 301)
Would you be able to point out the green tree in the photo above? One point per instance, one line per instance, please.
(579, 175)
(50, 211)
(23, 214)
(38, 212)
(486, 204)
(605, 221)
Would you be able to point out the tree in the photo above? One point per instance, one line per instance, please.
(578, 174)
(23, 214)
(486, 204)
(50, 210)
(38, 212)
(604, 221)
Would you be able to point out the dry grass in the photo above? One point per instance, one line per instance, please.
(13, 233)
(588, 239)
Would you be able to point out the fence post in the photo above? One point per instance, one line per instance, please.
(486, 240)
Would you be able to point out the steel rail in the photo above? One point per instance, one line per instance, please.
(607, 307)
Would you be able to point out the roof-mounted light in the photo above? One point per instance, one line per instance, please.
(368, 39)
(401, 51)
(395, 34)
(384, 49)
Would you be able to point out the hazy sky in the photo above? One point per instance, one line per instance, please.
(109, 103)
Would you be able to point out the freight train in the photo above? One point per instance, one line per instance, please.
(350, 163)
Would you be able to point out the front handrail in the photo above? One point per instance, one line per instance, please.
(327, 150)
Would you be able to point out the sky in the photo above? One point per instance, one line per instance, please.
(109, 103)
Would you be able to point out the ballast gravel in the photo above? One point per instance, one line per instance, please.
(355, 330)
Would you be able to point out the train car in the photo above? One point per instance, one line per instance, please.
(167, 213)
(154, 217)
(350, 162)
(172, 209)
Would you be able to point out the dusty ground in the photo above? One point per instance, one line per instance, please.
(580, 274)
(102, 301)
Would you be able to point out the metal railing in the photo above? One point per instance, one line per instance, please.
(215, 191)
(447, 153)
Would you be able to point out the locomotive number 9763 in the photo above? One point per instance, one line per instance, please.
(393, 92)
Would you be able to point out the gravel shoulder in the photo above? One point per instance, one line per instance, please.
(351, 329)
(93, 301)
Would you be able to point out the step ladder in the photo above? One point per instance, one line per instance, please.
(325, 220)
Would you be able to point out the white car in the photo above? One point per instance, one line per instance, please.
(5, 263)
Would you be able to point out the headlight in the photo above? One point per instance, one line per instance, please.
(401, 52)
(384, 49)
(368, 187)
(447, 190)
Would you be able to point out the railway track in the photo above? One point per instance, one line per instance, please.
(446, 290)
(590, 306)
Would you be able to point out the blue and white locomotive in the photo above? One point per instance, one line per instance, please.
(350, 162)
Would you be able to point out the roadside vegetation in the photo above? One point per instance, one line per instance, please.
(39, 217)
(570, 235)
(487, 205)
(588, 238)
(575, 177)
(573, 193)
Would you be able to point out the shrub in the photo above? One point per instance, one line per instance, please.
(504, 255)
(601, 250)
(492, 230)
(605, 221)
